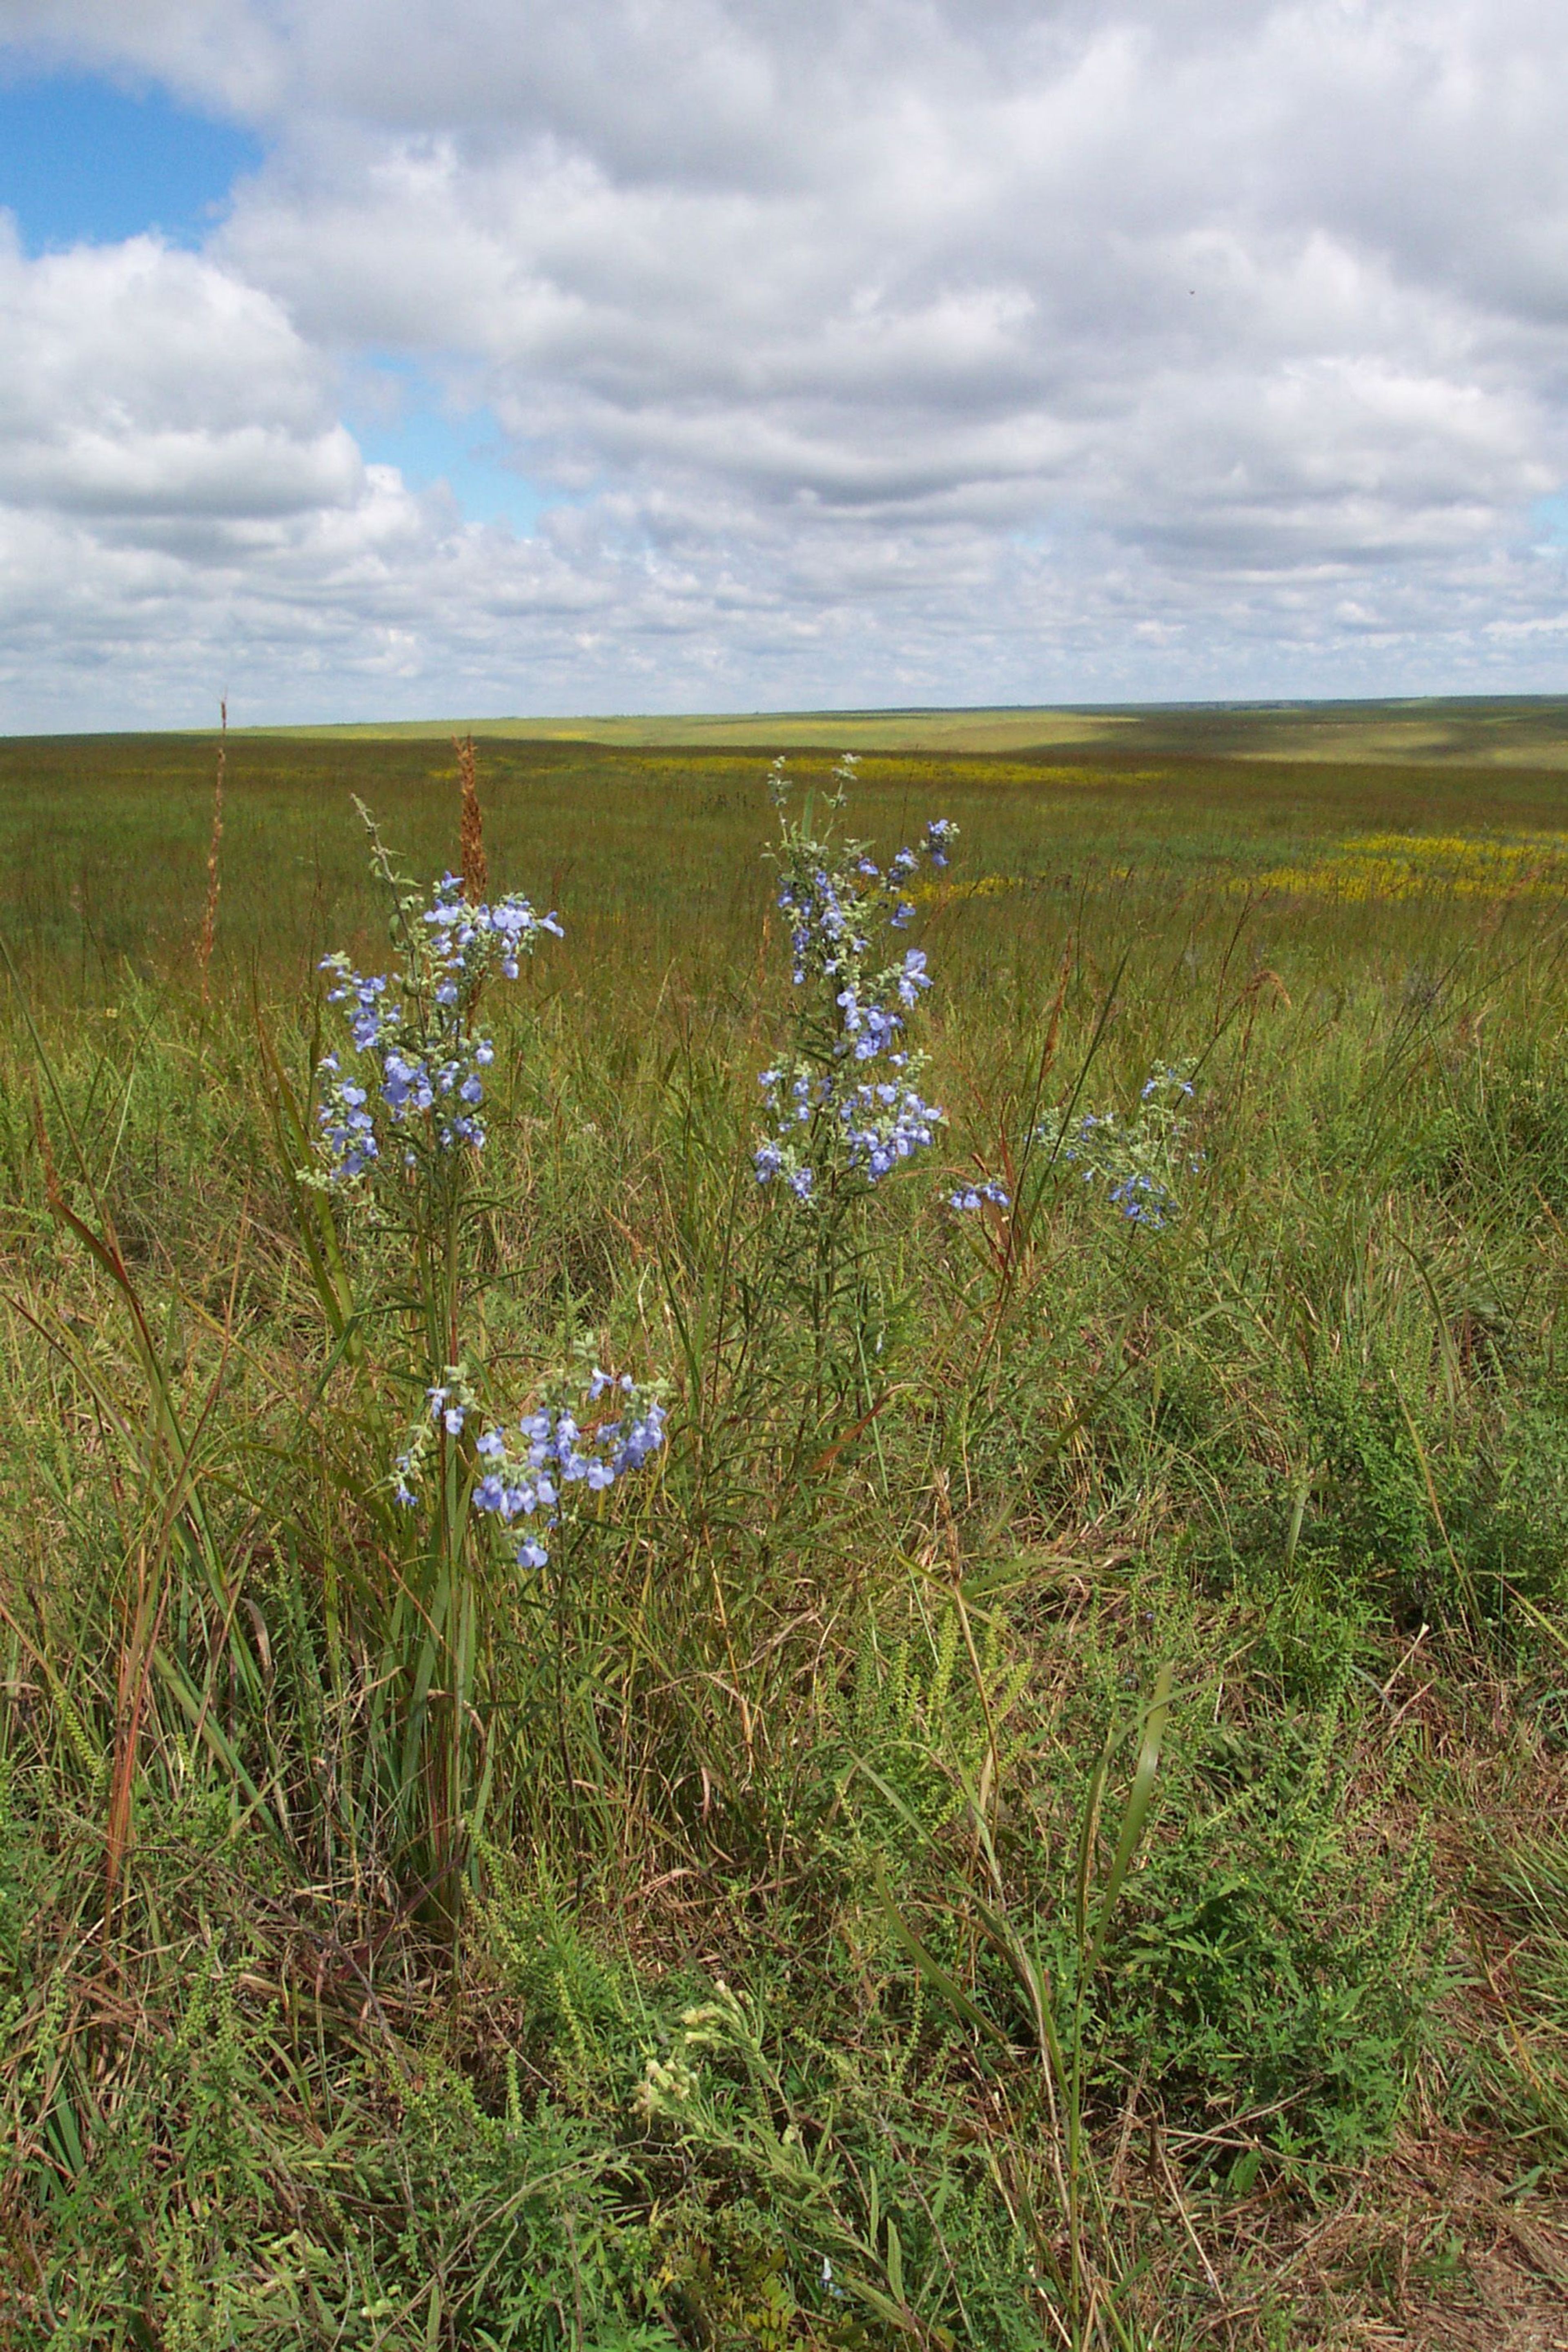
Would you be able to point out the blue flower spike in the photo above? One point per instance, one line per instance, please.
(835, 1105)
(420, 1058)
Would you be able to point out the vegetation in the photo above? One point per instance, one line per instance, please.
(1030, 1813)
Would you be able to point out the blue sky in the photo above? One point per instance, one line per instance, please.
(400, 418)
(82, 160)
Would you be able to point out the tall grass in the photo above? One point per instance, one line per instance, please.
(980, 1849)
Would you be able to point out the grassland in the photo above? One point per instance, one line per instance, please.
(1512, 730)
(1043, 1823)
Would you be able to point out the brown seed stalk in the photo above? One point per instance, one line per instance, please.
(475, 865)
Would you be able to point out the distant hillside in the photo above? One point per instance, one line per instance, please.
(1511, 731)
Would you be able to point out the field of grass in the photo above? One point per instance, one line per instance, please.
(1520, 730)
(1038, 1818)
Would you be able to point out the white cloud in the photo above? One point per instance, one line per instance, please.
(139, 383)
(901, 349)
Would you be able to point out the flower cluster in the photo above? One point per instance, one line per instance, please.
(970, 1196)
(828, 1113)
(414, 1072)
(1139, 1159)
(877, 1126)
(533, 1470)
(672, 2083)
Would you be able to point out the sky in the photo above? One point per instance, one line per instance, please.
(397, 358)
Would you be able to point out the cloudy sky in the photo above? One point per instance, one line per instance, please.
(414, 357)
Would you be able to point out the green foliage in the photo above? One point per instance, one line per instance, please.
(510, 2235)
(1279, 1964)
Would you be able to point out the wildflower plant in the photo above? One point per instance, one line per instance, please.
(843, 1103)
(844, 1100)
(399, 1134)
(1141, 1160)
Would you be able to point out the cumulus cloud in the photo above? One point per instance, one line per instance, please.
(922, 349)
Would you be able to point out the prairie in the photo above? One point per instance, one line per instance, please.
(1036, 1816)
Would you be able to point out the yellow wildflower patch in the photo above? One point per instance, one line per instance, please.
(973, 886)
(814, 769)
(1393, 865)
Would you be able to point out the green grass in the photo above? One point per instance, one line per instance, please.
(847, 1893)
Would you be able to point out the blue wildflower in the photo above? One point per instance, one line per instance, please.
(970, 1196)
(563, 1451)
(835, 896)
(416, 1030)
